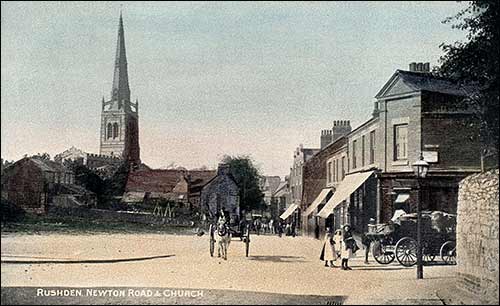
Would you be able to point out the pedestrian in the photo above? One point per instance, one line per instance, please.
(287, 229)
(366, 241)
(293, 229)
(328, 252)
(271, 226)
(349, 247)
(279, 226)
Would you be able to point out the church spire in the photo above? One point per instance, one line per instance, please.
(121, 90)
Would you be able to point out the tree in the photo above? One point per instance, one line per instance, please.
(474, 65)
(86, 178)
(246, 176)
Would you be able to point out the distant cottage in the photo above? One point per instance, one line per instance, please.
(221, 193)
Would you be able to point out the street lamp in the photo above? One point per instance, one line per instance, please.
(420, 168)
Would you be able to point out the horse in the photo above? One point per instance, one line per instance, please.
(223, 238)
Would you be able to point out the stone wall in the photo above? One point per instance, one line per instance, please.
(477, 236)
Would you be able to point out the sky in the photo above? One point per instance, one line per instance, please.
(212, 78)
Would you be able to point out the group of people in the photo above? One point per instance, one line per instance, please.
(274, 227)
(338, 244)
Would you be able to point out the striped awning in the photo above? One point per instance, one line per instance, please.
(319, 199)
(350, 184)
(402, 197)
(289, 211)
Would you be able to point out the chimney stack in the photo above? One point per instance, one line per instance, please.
(420, 67)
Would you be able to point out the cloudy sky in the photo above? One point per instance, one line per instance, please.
(211, 78)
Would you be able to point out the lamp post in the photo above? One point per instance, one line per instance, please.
(420, 168)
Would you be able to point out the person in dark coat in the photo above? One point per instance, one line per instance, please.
(349, 247)
(366, 241)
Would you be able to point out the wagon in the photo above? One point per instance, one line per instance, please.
(236, 230)
(398, 241)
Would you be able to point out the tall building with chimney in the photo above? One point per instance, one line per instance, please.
(119, 116)
(340, 128)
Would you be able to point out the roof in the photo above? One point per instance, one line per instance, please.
(422, 81)
(75, 189)
(164, 181)
(48, 165)
(152, 180)
(282, 190)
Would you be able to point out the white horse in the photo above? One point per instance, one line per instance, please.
(222, 238)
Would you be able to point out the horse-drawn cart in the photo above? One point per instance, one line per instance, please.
(398, 240)
(234, 231)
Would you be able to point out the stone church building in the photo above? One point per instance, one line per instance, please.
(120, 116)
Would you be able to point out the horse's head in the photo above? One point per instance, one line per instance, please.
(222, 229)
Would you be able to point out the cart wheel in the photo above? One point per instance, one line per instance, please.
(429, 258)
(406, 251)
(247, 242)
(427, 255)
(381, 254)
(212, 241)
(448, 252)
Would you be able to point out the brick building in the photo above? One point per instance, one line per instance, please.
(300, 156)
(420, 113)
(33, 183)
(318, 186)
(415, 112)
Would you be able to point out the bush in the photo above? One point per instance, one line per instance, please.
(11, 212)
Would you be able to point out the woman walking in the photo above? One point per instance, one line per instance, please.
(328, 253)
(349, 247)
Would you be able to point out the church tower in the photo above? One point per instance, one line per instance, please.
(119, 116)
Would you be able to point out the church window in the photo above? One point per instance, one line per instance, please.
(115, 130)
(109, 131)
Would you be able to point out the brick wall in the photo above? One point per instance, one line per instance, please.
(477, 236)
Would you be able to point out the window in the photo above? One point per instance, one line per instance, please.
(363, 151)
(372, 147)
(115, 130)
(109, 131)
(337, 170)
(354, 144)
(343, 167)
(329, 170)
(400, 141)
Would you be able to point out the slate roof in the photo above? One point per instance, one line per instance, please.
(48, 165)
(152, 180)
(426, 82)
(164, 181)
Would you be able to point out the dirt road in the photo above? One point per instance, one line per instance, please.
(276, 265)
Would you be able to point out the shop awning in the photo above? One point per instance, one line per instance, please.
(402, 197)
(344, 190)
(319, 199)
(289, 211)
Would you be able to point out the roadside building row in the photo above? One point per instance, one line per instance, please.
(367, 172)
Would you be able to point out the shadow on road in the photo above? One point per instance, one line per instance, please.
(88, 261)
(278, 258)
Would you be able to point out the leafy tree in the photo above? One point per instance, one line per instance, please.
(88, 178)
(474, 64)
(247, 177)
(115, 185)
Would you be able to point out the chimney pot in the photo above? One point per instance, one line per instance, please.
(413, 66)
(427, 67)
(420, 67)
